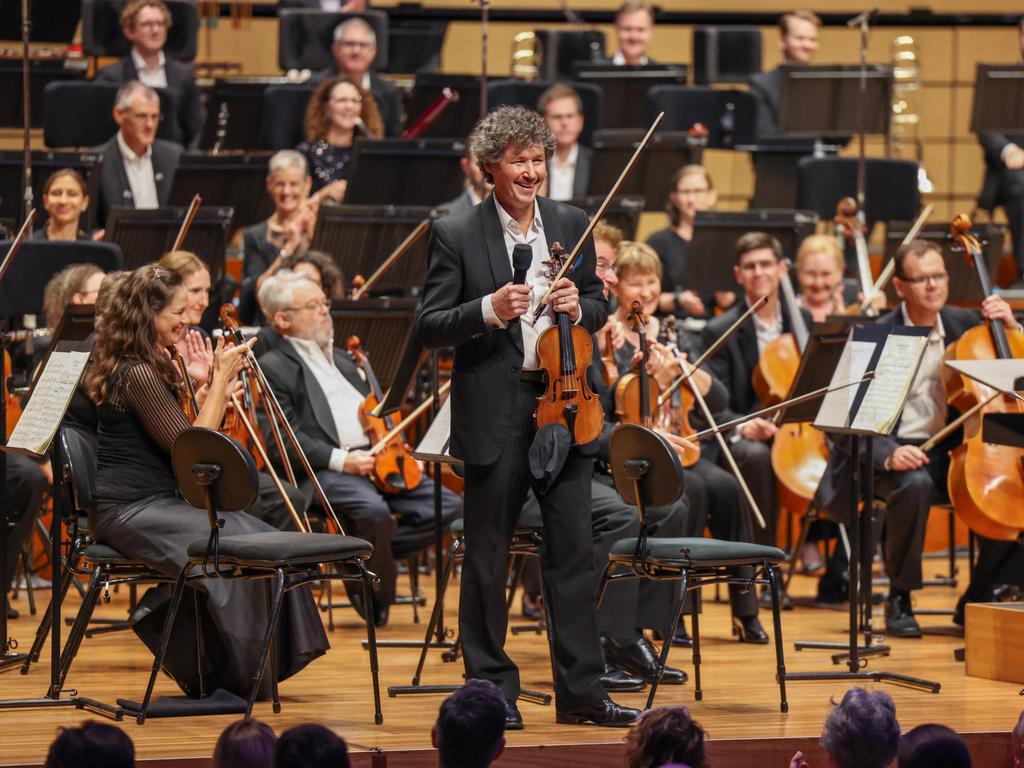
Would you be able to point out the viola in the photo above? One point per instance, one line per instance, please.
(565, 352)
(233, 425)
(635, 391)
(677, 417)
(986, 481)
(394, 470)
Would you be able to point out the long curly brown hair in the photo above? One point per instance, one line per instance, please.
(126, 331)
(666, 735)
(316, 111)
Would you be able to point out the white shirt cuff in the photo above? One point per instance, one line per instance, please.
(337, 460)
(1008, 148)
(491, 319)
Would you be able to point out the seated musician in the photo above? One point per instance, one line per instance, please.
(66, 200)
(569, 166)
(634, 26)
(714, 494)
(75, 284)
(137, 168)
(758, 270)
(337, 110)
(908, 478)
(819, 272)
(1004, 176)
(798, 42)
(692, 191)
(475, 185)
(139, 394)
(354, 49)
(25, 485)
(145, 24)
(321, 390)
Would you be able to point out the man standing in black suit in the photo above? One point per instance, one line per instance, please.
(798, 41)
(1004, 176)
(145, 24)
(354, 48)
(569, 167)
(138, 168)
(470, 303)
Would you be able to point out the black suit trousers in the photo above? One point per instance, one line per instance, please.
(494, 498)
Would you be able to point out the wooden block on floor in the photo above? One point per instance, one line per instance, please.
(995, 641)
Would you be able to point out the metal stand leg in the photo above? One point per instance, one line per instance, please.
(666, 644)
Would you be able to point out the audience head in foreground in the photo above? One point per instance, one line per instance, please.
(668, 735)
(91, 745)
(470, 727)
(933, 746)
(311, 746)
(862, 730)
(245, 744)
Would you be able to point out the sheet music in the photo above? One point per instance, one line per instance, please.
(837, 405)
(434, 445)
(50, 398)
(894, 375)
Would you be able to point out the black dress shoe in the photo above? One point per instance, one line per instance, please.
(749, 630)
(380, 614)
(531, 608)
(614, 679)
(513, 719)
(604, 713)
(682, 638)
(12, 613)
(899, 616)
(357, 603)
(639, 658)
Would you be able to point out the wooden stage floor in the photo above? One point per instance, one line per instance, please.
(740, 709)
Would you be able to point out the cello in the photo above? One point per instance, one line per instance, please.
(986, 481)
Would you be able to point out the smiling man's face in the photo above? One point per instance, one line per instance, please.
(518, 175)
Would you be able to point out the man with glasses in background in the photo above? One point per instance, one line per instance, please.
(145, 24)
(906, 477)
(137, 168)
(354, 49)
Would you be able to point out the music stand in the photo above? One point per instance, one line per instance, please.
(405, 172)
(652, 177)
(21, 292)
(41, 73)
(459, 117)
(998, 99)
(840, 414)
(241, 99)
(54, 21)
(622, 212)
(12, 165)
(305, 37)
(834, 92)
(625, 88)
(710, 255)
(231, 181)
(359, 238)
(384, 327)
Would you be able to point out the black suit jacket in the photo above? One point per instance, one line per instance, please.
(181, 84)
(833, 493)
(114, 187)
(468, 261)
(304, 403)
(766, 87)
(582, 176)
(1001, 183)
(733, 364)
(385, 93)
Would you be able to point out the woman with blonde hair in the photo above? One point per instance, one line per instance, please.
(819, 272)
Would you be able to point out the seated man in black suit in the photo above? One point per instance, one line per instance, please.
(145, 23)
(634, 26)
(1004, 176)
(569, 166)
(354, 48)
(476, 186)
(908, 478)
(798, 41)
(321, 389)
(137, 168)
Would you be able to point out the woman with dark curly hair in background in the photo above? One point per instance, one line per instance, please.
(666, 736)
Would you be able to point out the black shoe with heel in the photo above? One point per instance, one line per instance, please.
(749, 630)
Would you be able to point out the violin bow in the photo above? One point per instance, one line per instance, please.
(597, 216)
(886, 275)
(12, 250)
(186, 224)
(413, 415)
(399, 252)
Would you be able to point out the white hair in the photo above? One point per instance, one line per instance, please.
(128, 91)
(286, 159)
(277, 294)
(353, 23)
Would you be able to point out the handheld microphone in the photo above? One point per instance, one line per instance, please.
(522, 258)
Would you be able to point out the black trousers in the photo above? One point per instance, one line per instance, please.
(26, 485)
(270, 507)
(999, 562)
(494, 498)
(1011, 196)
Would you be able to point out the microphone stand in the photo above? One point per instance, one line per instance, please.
(26, 103)
(485, 17)
(862, 21)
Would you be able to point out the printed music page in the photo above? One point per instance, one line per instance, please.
(894, 374)
(837, 405)
(49, 401)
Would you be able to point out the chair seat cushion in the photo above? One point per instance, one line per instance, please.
(101, 553)
(277, 548)
(699, 553)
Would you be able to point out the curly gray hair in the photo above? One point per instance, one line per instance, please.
(517, 127)
(862, 731)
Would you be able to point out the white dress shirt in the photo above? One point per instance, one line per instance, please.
(767, 332)
(342, 398)
(155, 77)
(139, 170)
(619, 60)
(562, 174)
(925, 411)
(536, 278)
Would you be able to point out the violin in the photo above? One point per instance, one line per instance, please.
(233, 425)
(394, 470)
(986, 481)
(635, 392)
(11, 404)
(566, 351)
(677, 418)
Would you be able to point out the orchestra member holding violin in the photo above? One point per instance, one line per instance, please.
(759, 269)
(713, 493)
(908, 478)
(66, 200)
(470, 303)
(321, 390)
(139, 394)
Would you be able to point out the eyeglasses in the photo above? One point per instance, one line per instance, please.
(155, 24)
(146, 117)
(940, 278)
(312, 306)
(359, 44)
(764, 265)
(694, 192)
